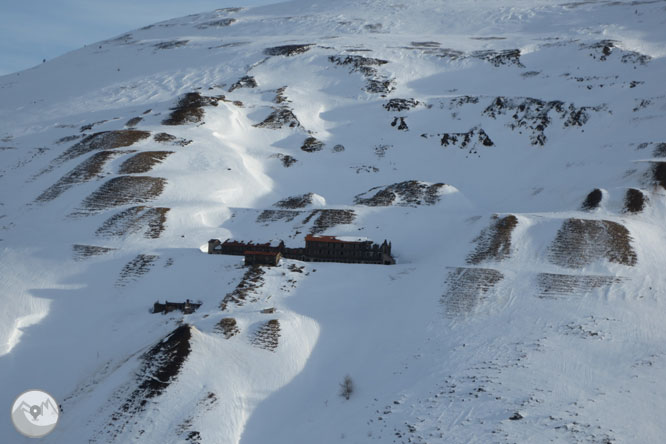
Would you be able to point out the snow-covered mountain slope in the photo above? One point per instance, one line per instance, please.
(513, 153)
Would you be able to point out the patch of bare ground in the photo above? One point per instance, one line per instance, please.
(286, 159)
(244, 82)
(535, 115)
(221, 23)
(169, 138)
(410, 193)
(160, 367)
(659, 150)
(311, 144)
(189, 109)
(279, 118)
(83, 252)
(267, 336)
(398, 105)
(364, 169)
(494, 242)
(122, 190)
(280, 96)
(592, 200)
(499, 58)
(68, 139)
(328, 218)
(171, 44)
(659, 173)
(292, 202)
(472, 139)
(143, 162)
(184, 429)
(134, 121)
(150, 220)
(553, 285)
(580, 242)
(106, 140)
(251, 282)
(400, 124)
(323, 218)
(136, 268)
(287, 50)
(89, 169)
(634, 201)
(603, 49)
(228, 327)
(375, 83)
(467, 287)
(268, 216)
(90, 126)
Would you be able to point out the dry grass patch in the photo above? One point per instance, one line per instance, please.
(552, 285)
(279, 118)
(123, 190)
(267, 216)
(82, 252)
(329, 218)
(267, 336)
(133, 220)
(579, 242)
(410, 193)
(143, 162)
(189, 109)
(228, 327)
(292, 202)
(494, 242)
(467, 288)
(136, 268)
(89, 169)
(251, 282)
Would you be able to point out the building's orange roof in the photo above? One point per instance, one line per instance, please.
(261, 253)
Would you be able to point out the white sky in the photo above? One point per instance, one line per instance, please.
(33, 30)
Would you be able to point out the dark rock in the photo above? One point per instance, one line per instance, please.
(634, 201)
(311, 144)
(221, 23)
(410, 193)
(134, 121)
(292, 202)
(244, 82)
(189, 109)
(287, 50)
(279, 118)
(399, 105)
(593, 199)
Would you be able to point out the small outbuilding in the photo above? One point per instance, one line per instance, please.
(187, 307)
(271, 258)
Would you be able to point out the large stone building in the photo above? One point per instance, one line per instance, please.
(317, 249)
(349, 250)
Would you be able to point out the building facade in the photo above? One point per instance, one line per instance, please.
(317, 249)
(262, 258)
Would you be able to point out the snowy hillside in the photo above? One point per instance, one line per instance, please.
(513, 152)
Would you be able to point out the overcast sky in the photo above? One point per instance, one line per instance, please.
(32, 30)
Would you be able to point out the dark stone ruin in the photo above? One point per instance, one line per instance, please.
(187, 307)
